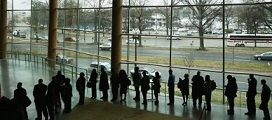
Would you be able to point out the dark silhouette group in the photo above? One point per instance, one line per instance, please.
(48, 98)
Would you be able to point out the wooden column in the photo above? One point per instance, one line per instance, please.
(52, 32)
(3, 30)
(116, 51)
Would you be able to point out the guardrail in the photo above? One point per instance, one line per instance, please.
(70, 70)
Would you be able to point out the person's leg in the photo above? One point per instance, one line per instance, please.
(208, 101)
(186, 99)
(137, 90)
(266, 113)
(144, 97)
(44, 111)
(39, 111)
(94, 92)
(200, 100)
(253, 107)
(183, 96)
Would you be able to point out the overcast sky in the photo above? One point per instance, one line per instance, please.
(25, 4)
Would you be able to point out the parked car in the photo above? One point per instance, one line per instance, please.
(132, 41)
(62, 59)
(150, 72)
(173, 38)
(70, 39)
(264, 56)
(43, 38)
(105, 46)
(105, 65)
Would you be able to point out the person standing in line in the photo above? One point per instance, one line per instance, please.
(197, 88)
(208, 92)
(144, 83)
(183, 85)
(114, 81)
(157, 86)
(124, 83)
(51, 98)
(19, 97)
(136, 77)
(39, 93)
(93, 80)
(251, 93)
(104, 84)
(171, 87)
(60, 81)
(80, 86)
(67, 95)
(231, 90)
(265, 97)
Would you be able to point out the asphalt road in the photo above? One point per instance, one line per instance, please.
(157, 52)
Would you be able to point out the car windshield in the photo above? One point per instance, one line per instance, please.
(108, 66)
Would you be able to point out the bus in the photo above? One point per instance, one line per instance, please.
(252, 40)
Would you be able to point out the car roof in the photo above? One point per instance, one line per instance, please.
(100, 63)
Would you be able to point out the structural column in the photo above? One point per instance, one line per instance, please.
(3, 30)
(52, 32)
(117, 14)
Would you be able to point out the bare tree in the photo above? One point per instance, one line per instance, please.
(188, 61)
(139, 16)
(202, 14)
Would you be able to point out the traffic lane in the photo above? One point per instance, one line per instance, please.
(144, 51)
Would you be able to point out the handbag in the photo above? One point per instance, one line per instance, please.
(27, 101)
(89, 84)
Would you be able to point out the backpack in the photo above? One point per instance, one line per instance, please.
(213, 85)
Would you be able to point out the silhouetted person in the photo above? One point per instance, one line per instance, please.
(231, 90)
(51, 98)
(67, 95)
(104, 84)
(183, 85)
(197, 88)
(39, 94)
(144, 83)
(114, 86)
(124, 83)
(20, 97)
(251, 93)
(80, 86)
(265, 97)
(171, 87)
(6, 110)
(136, 77)
(93, 80)
(156, 86)
(60, 82)
(208, 92)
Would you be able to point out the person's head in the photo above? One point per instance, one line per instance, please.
(186, 75)
(251, 76)
(102, 69)
(136, 69)
(81, 74)
(198, 73)
(233, 79)
(67, 80)
(263, 81)
(94, 71)
(170, 71)
(40, 81)
(207, 78)
(122, 73)
(229, 77)
(157, 74)
(19, 85)
(144, 73)
(59, 72)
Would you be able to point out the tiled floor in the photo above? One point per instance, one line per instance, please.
(13, 71)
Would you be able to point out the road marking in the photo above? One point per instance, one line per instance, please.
(241, 60)
(242, 82)
(241, 57)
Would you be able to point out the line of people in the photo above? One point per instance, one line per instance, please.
(48, 98)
